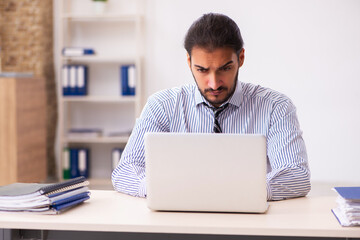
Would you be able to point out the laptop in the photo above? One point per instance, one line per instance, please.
(206, 172)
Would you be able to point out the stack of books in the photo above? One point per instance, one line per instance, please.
(347, 211)
(75, 133)
(44, 198)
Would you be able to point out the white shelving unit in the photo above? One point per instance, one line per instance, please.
(117, 38)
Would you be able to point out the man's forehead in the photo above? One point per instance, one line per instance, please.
(209, 50)
(220, 56)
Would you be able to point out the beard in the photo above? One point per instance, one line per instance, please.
(218, 101)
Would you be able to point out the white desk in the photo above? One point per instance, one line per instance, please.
(109, 211)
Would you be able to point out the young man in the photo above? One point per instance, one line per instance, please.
(218, 102)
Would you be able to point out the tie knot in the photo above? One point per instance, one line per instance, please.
(217, 111)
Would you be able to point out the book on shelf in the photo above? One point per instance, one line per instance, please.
(76, 162)
(66, 163)
(347, 210)
(118, 133)
(77, 51)
(115, 157)
(128, 80)
(83, 162)
(84, 133)
(48, 198)
(74, 80)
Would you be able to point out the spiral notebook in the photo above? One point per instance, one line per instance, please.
(46, 198)
(30, 190)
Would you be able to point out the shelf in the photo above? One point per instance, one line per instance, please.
(100, 99)
(99, 18)
(101, 59)
(97, 140)
(117, 39)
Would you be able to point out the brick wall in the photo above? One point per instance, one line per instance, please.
(26, 41)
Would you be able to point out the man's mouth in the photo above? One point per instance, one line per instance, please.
(215, 92)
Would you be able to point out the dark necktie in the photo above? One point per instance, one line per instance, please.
(217, 111)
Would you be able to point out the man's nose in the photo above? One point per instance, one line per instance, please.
(214, 81)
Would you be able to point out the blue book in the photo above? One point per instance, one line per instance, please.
(65, 75)
(81, 80)
(77, 51)
(131, 79)
(128, 80)
(124, 80)
(72, 80)
(74, 163)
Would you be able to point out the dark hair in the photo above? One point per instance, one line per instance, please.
(213, 31)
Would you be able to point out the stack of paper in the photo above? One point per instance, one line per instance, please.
(348, 206)
(44, 198)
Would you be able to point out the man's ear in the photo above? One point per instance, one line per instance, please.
(188, 59)
(241, 57)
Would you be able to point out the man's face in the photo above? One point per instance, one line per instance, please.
(215, 72)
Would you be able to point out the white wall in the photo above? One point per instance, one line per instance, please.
(307, 49)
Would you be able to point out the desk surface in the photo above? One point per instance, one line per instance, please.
(115, 212)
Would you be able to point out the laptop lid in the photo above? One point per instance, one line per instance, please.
(206, 172)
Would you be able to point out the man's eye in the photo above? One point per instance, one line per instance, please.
(202, 70)
(227, 68)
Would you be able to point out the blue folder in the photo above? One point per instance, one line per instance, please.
(348, 193)
(70, 199)
(127, 89)
(74, 162)
(83, 164)
(66, 206)
(65, 80)
(81, 80)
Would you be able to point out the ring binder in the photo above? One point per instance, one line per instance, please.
(63, 185)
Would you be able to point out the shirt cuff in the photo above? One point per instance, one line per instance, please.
(268, 190)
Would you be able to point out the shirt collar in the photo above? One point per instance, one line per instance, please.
(235, 99)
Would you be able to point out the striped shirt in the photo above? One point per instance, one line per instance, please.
(252, 110)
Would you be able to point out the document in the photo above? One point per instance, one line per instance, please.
(47, 198)
(347, 211)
